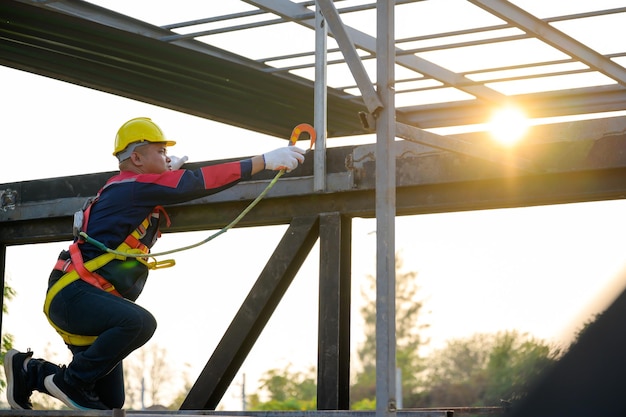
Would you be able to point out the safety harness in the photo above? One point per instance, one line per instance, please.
(75, 268)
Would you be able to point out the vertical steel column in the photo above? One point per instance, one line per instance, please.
(333, 363)
(353, 60)
(320, 101)
(385, 214)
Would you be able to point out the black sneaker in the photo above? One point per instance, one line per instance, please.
(18, 391)
(74, 397)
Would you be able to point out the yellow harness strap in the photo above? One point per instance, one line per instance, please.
(131, 245)
(65, 280)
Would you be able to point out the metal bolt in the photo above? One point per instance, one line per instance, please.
(8, 199)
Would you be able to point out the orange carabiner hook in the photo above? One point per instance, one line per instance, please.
(302, 127)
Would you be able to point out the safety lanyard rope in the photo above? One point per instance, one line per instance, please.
(295, 134)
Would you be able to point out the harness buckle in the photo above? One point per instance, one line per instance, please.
(154, 264)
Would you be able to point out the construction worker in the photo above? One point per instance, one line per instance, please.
(91, 293)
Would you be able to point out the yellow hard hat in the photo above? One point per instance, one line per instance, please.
(136, 131)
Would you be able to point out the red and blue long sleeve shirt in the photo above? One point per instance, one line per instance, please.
(127, 199)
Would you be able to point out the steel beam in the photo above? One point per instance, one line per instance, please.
(484, 190)
(321, 100)
(574, 101)
(111, 54)
(595, 156)
(333, 366)
(385, 179)
(416, 135)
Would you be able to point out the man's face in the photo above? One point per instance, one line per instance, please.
(153, 158)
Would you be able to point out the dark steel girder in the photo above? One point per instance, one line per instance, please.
(335, 283)
(427, 182)
(194, 78)
(544, 189)
(575, 101)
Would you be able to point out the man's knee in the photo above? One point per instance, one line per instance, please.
(148, 326)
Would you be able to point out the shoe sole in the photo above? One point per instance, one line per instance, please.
(8, 371)
(57, 393)
(60, 395)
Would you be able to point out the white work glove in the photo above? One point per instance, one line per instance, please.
(286, 158)
(176, 162)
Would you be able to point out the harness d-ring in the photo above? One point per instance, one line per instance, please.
(298, 130)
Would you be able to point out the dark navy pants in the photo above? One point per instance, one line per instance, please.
(121, 326)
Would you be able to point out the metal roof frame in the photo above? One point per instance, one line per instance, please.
(92, 38)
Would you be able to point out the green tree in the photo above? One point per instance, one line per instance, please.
(286, 390)
(484, 369)
(408, 340)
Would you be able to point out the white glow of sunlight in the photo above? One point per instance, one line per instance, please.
(508, 125)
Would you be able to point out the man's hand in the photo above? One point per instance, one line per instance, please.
(176, 162)
(286, 158)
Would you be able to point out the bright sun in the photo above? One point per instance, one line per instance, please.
(508, 125)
